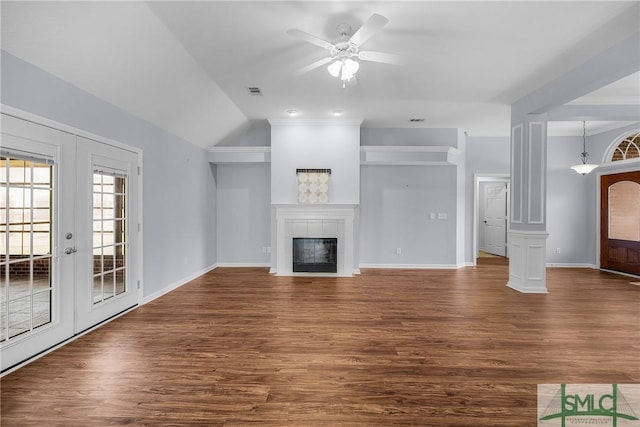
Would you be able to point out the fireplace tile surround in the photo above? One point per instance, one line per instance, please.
(314, 221)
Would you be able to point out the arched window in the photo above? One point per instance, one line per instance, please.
(628, 148)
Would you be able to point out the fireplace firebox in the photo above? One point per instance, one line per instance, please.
(315, 255)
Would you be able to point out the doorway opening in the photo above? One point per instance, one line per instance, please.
(490, 218)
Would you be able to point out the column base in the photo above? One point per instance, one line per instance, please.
(527, 261)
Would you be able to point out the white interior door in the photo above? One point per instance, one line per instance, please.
(495, 220)
(68, 236)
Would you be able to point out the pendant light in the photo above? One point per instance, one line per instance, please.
(585, 167)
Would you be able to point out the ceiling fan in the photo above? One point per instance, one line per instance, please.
(344, 52)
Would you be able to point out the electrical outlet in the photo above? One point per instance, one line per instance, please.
(186, 260)
(557, 250)
(432, 215)
(268, 249)
(398, 251)
(442, 215)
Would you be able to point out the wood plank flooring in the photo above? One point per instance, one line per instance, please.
(388, 347)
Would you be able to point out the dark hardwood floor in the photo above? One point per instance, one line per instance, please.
(388, 347)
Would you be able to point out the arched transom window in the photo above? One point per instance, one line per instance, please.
(629, 148)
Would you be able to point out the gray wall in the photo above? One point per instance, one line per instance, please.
(568, 208)
(179, 184)
(244, 214)
(396, 202)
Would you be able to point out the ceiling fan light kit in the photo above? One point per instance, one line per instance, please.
(344, 53)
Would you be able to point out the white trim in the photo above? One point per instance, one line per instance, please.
(523, 290)
(177, 284)
(413, 266)
(319, 122)
(606, 157)
(240, 150)
(410, 148)
(477, 179)
(527, 261)
(571, 265)
(543, 197)
(513, 220)
(244, 264)
(433, 155)
(231, 155)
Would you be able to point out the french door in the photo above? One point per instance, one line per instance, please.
(68, 236)
(620, 222)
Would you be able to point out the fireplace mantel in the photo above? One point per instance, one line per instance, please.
(314, 220)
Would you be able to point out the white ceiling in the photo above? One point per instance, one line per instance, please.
(185, 66)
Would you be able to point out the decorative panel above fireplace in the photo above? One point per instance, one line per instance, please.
(313, 185)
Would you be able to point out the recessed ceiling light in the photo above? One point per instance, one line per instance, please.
(292, 113)
(337, 113)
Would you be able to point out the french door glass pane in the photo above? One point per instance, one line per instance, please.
(109, 236)
(26, 205)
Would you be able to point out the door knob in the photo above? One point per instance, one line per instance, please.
(70, 251)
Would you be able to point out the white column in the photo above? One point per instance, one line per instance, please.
(527, 228)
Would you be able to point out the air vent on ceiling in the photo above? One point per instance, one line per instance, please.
(416, 120)
(255, 91)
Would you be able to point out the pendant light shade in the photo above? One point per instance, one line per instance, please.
(584, 168)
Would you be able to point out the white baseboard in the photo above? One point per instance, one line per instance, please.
(413, 266)
(570, 265)
(525, 290)
(243, 264)
(176, 285)
(272, 270)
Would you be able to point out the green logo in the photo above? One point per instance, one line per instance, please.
(586, 402)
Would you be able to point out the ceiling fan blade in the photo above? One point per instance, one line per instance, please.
(386, 58)
(368, 29)
(315, 65)
(309, 38)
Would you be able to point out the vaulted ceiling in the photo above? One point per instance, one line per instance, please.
(186, 66)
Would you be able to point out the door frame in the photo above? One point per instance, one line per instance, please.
(598, 205)
(477, 179)
(137, 257)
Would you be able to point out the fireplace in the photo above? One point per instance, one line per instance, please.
(315, 255)
(324, 222)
